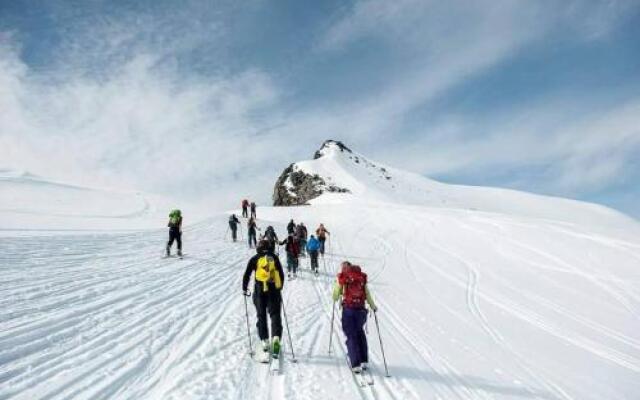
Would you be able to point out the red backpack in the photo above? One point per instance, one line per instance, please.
(353, 282)
(293, 247)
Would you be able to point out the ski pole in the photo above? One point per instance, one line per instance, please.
(286, 323)
(246, 312)
(333, 312)
(226, 233)
(386, 370)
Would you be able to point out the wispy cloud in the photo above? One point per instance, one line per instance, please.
(143, 126)
(571, 154)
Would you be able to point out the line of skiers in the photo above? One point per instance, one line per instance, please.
(350, 291)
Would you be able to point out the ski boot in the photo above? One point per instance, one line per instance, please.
(262, 352)
(168, 252)
(275, 347)
(179, 253)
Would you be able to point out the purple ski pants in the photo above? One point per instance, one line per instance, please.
(353, 320)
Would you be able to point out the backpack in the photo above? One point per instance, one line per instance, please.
(353, 282)
(267, 272)
(313, 244)
(174, 217)
(293, 247)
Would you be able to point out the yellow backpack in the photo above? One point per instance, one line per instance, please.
(266, 272)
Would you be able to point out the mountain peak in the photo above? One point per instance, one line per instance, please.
(331, 146)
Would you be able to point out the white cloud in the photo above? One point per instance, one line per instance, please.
(141, 127)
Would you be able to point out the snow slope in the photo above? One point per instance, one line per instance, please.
(520, 302)
(31, 202)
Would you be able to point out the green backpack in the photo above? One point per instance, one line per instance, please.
(174, 217)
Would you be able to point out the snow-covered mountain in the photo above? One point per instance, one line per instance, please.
(337, 175)
(482, 294)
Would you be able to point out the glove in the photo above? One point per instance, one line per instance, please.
(374, 309)
(246, 293)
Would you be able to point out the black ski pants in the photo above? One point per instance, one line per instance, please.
(322, 240)
(234, 231)
(245, 212)
(252, 238)
(175, 234)
(314, 259)
(268, 302)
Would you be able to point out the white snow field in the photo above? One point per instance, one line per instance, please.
(33, 203)
(482, 294)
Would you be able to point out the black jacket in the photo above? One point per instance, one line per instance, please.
(253, 264)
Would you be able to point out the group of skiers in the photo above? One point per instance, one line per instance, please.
(350, 289)
(299, 243)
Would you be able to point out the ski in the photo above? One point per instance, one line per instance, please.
(368, 376)
(357, 376)
(360, 379)
(276, 362)
(263, 357)
(275, 365)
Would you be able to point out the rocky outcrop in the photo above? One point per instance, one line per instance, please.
(295, 187)
(329, 143)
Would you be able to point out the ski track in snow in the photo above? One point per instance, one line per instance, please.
(103, 316)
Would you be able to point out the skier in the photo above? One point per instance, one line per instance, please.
(233, 225)
(351, 286)
(301, 235)
(293, 251)
(251, 232)
(291, 227)
(313, 245)
(253, 210)
(175, 231)
(271, 237)
(267, 296)
(322, 233)
(245, 206)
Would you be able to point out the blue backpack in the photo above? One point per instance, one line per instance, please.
(313, 244)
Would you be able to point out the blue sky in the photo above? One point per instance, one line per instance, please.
(214, 99)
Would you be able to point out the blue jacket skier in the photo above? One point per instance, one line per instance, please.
(313, 247)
